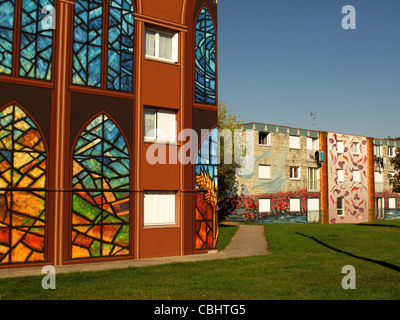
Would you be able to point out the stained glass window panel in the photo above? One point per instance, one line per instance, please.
(6, 35)
(120, 46)
(36, 43)
(205, 59)
(88, 24)
(206, 186)
(101, 197)
(22, 188)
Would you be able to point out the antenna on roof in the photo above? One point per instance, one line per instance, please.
(314, 116)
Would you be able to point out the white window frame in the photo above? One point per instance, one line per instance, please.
(294, 205)
(391, 151)
(340, 210)
(292, 171)
(294, 142)
(392, 203)
(264, 205)
(339, 146)
(264, 172)
(174, 44)
(377, 150)
(356, 148)
(312, 143)
(340, 175)
(157, 132)
(268, 138)
(356, 176)
(159, 208)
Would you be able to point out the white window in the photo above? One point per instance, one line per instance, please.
(340, 146)
(377, 151)
(356, 147)
(159, 208)
(264, 205)
(294, 142)
(339, 208)
(378, 177)
(294, 173)
(294, 205)
(340, 175)
(356, 176)
(312, 143)
(159, 125)
(312, 210)
(313, 179)
(264, 138)
(162, 45)
(392, 203)
(264, 171)
(391, 152)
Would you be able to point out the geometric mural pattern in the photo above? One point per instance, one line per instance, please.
(206, 186)
(100, 200)
(205, 58)
(22, 188)
(120, 46)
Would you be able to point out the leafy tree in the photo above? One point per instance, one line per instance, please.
(395, 179)
(227, 182)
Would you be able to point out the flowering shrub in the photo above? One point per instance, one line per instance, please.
(279, 203)
(388, 194)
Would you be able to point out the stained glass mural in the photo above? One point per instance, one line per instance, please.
(36, 43)
(205, 61)
(100, 201)
(206, 186)
(22, 188)
(6, 35)
(88, 24)
(120, 46)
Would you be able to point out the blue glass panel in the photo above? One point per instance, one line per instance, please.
(6, 35)
(88, 23)
(36, 42)
(120, 46)
(205, 61)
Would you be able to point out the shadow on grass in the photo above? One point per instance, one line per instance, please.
(376, 225)
(381, 263)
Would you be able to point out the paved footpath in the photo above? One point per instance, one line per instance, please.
(249, 240)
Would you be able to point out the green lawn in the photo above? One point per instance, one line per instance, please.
(306, 263)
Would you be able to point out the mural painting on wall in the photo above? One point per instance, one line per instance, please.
(206, 186)
(22, 188)
(248, 208)
(347, 177)
(100, 201)
(391, 204)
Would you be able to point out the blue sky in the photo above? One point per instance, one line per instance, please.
(280, 60)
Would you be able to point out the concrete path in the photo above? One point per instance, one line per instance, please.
(249, 240)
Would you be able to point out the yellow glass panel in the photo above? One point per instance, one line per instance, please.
(28, 203)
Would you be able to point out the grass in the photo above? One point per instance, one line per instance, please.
(306, 263)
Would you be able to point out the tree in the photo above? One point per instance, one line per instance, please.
(227, 182)
(395, 179)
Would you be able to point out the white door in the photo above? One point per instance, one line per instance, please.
(312, 210)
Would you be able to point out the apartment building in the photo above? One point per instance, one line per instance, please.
(87, 88)
(303, 175)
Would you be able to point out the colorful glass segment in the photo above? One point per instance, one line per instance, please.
(6, 35)
(36, 46)
(120, 46)
(205, 62)
(206, 186)
(88, 24)
(214, 1)
(100, 203)
(22, 188)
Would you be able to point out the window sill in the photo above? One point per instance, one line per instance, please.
(154, 59)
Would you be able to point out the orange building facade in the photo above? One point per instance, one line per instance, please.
(88, 90)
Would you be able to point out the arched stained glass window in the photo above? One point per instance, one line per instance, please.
(206, 186)
(6, 35)
(214, 1)
(88, 30)
(205, 61)
(36, 44)
(120, 45)
(22, 188)
(100, 202)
